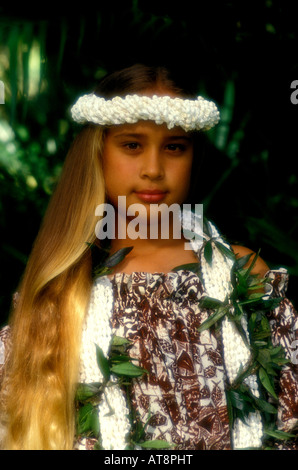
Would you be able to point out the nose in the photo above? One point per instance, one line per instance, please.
(152, 164)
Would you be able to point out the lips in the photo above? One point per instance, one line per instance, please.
(151, 195)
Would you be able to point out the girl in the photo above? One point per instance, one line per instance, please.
(133, 331)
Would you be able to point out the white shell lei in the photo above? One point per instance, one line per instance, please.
(97, 329)
(196, 114)
(217, 283)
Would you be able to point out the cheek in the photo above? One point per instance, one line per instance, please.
(118, 177)
(111, 177)
(181, 178)
(116, 166)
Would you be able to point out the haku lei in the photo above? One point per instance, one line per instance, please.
(196, 114)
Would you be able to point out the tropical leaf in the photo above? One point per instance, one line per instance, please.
(155, 444)
(103, 363)
(266, 382)
(241, 262)
(119, 341)
(85, 392)
(265, 406)
(106, 263)
(208, 252)
(117, 257)
(227, 252)
(214, 318)
(87, 420)
(210, 303)
(127, 369)
(280, 435)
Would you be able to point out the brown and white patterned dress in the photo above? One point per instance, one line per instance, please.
(183, 394)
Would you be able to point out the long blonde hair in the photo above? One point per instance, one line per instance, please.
(39, 388)
(53, 296)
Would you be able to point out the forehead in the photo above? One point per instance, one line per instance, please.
(148, 128)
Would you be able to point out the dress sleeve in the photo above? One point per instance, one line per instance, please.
(284, 325)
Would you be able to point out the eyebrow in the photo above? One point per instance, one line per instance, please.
(138, 135)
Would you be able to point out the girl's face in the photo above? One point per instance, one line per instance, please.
(147, 163)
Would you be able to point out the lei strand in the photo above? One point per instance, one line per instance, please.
(251, 361)
(198, 114)
(249, 357)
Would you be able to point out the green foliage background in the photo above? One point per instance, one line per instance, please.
(241, 54)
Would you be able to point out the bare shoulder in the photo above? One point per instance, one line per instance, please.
(260, 267)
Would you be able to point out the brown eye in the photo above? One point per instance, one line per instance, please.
(176, 147)
(132, 145)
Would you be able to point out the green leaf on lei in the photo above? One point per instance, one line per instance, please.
(103, 262)
(210, 303)
(127, 369)
(214, 318)
(227, 252)
(117, 257)
(246, 302)
(87, 421)
(267, 383)
(103, 363)
(155, 444)
(280, 435)
(119, 341)
(208, 252)
(87, 392)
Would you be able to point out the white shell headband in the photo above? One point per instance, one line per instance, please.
(197, 114)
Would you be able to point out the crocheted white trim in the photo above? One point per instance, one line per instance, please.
(197, 114)
(97, 330)
(237, 354)
(217, 283)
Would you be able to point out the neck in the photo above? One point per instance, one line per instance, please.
(158, 253)
(146, 236)
(145, 245)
